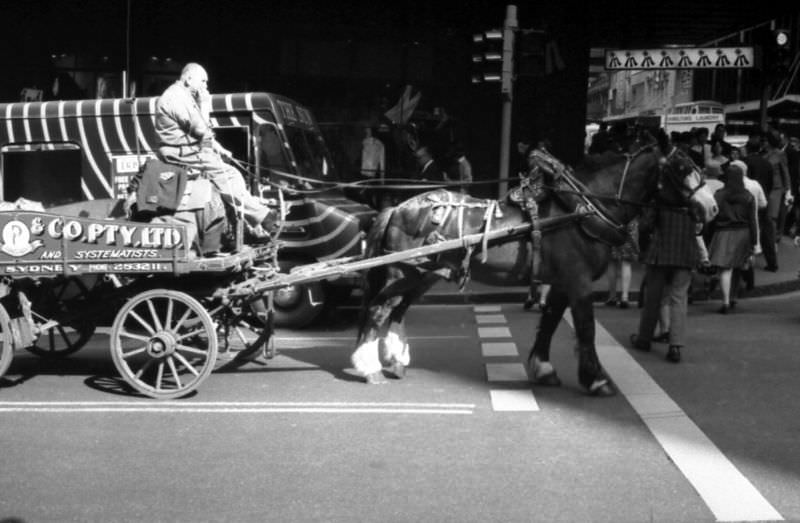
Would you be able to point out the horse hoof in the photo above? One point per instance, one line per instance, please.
(548, 380)
(602, 388)
(375, 378)
(397, 371)
(543, 373)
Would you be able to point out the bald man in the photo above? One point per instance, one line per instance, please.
(185, 138)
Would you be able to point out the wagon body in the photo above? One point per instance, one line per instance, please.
(64, 269)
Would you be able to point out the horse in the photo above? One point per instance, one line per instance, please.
(581, 214)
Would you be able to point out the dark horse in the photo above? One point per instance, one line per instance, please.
(582, 215)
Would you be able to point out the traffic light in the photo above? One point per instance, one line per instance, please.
(781, 51)
(487, 57)
(530, 52)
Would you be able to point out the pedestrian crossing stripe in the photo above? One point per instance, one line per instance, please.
(741, 57)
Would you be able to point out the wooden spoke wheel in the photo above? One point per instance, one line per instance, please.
(164, 343)
(6, 345)
(59, 309)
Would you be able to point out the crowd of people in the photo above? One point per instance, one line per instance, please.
(756, 190)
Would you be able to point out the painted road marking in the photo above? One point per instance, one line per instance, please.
(520, 399)
(514, 400)
(506, 372)
(724, 489)
(487, 308)
(490, 318)
(491, 349)
(241, 407)
(494, 332)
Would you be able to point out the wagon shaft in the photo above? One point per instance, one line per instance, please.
(332, 269)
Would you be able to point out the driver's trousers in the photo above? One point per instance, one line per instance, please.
(227, 179)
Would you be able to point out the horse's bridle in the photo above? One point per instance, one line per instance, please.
(681, 188)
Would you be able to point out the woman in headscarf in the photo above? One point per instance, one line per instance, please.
(735, 231)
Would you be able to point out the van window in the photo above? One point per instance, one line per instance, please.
(309, 152)
(272, 156)
(234, 139)
(50, 174)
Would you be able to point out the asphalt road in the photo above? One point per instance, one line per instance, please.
(462, 438)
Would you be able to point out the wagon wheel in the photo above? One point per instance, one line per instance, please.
(244, 332)
(163, 343)
(64, 302)
(6, 346)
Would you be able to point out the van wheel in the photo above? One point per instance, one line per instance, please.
(297, 306)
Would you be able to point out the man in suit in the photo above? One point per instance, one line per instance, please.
(672, 254)
(759, 169)
(429, 170)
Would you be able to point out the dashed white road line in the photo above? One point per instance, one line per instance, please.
(520, 398)
(487, 308)
(506, 372)
(490, 318)
(514, 400)
(494, 332)
(491, 349)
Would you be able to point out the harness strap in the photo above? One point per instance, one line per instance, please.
(461, 222)
(487, 218)
(628, 160)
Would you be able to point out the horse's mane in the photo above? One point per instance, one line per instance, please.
(595, 162)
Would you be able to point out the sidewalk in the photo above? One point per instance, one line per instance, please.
(766, 284)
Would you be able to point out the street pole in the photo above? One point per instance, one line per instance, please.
(762, 113)
(506, 90)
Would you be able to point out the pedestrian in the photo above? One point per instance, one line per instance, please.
(600, 140)
(735, 232)
(185, 138)
(718, 138)
(620, 268)
(780, 194)
(373, 155)
(373, 165)
(760, 170)
(671, 256)
(429, 170)
(460, 169)
(699, 149)
(792, 150)
(711, 174)
(748, 273)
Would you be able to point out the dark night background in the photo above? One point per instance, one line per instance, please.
(348, 59)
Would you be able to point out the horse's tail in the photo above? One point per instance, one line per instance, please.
(373, 280)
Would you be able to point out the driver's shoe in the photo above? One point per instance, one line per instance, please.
(258, 234)
(271, 220)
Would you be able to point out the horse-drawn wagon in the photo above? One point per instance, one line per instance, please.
(176, 309)
(175, 315)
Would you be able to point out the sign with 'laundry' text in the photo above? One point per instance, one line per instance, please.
(680, 58)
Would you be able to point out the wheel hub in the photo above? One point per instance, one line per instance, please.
(161, 345)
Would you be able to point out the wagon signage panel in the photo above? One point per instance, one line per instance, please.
(123, 168)
(32, 242)
(741, 57)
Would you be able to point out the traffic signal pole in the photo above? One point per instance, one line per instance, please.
(507, 90)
